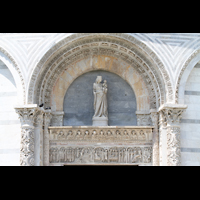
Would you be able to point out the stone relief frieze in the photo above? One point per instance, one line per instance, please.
(101, 134)
(92, 154)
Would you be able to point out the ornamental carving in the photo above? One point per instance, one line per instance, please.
(92, 154)
(29, 116)
(173, 115)
(101, 134)
(173, 146)
(26, 115)
(27, 147)
(119, 45)
(144, 120)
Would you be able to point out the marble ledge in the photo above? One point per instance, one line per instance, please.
(99, 127)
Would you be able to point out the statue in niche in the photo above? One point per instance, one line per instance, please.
(100, 102)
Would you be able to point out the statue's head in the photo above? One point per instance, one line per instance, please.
(98, 79)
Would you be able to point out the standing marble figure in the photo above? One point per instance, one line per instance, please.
(100, 117)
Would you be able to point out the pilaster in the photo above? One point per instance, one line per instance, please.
(170, 120)
(27, 116)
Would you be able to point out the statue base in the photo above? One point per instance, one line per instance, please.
(100, 121)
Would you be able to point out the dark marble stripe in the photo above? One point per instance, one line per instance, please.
(190, 149)
(191, 121)
(197, 93)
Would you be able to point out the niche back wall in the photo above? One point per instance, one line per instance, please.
(79, 100)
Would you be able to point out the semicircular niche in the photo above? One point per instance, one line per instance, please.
(79, 99)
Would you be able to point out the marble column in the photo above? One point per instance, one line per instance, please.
(154, 118)
(47, 120)
(57, 118)
(27, 114)
(38, 124)
(171, 116)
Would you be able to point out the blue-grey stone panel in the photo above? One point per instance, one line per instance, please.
(197, 150)
(197, 93)
(79, 99)
(190, 121)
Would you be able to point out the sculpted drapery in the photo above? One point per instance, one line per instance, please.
(100, 100)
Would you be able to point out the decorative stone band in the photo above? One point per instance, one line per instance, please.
(136, 134)
(100, 155)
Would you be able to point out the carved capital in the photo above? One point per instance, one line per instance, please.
(171, 114)
(47, 119)
(57, 119)
(38, 119)
(27, 114)
(154, 118)
(143, 119)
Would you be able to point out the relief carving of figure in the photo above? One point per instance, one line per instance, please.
(70, 135)
(100, 100)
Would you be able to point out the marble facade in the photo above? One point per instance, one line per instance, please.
(154, 118)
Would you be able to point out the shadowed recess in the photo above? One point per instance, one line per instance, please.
(79, 99)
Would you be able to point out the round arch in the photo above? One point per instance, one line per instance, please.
(183, 76)
(105, 63)
(16, 73)
(122, 46)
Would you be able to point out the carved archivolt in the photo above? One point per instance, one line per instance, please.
(79, 46)
(181, 74)
(18, 71)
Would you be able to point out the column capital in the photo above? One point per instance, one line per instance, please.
(27, 113)
(172, 113)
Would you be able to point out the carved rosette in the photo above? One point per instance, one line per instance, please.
(173, 146)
